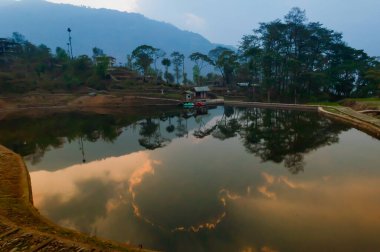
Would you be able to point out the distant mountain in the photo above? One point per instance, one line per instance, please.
(117, 33)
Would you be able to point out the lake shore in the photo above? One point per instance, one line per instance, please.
(107, 103)
(81, 101)
(22, 226)
(365, 123)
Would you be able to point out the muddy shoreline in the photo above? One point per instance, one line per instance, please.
(21, 225)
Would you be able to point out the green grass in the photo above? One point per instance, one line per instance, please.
(371, 99)
(173, 96)
(338, 103)
(324, 103)
(332, 110)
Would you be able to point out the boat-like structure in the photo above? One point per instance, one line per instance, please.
(190, 104)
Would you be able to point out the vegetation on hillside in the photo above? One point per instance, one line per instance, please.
(282, 60)
(25, 67)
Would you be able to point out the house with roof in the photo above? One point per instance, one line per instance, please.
(197, 93)
(201, 92)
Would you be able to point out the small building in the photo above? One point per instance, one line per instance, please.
(109, 59)
(201, 92)
(9, 47)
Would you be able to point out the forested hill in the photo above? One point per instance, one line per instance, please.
(117, 33)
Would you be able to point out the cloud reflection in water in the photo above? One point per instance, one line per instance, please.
(253, 206)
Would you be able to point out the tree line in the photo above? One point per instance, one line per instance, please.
(289, 59)
(285, 59)
(25, 67)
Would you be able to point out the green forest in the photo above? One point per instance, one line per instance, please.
(288, 59)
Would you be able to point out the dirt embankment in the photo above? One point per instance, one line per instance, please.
(22, 228)
(363, 122)
(72, 101)
(362, 105)
(370, 107)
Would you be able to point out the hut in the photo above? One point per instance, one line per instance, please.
(201, 92)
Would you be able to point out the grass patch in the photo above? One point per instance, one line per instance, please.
(173, 96)
(333, 110)
(324, 103)
(371, 99)
(339, 103)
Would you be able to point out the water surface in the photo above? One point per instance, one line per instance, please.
(225, 179)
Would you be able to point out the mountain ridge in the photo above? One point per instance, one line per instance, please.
(116, 32)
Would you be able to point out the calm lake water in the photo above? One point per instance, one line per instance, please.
(225, 179)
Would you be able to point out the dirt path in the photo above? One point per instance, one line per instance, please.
(22, 228)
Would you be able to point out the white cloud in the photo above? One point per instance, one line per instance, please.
(122, 5)
(194, 22)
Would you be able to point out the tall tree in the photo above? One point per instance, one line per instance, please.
(373, 84)
(225, 60)
(250, 57)
(18, 38)
(178, 62)
(97, 52)
(200, 60)
(158, 54)
(61, 54)
(143, 57)
(166, 63)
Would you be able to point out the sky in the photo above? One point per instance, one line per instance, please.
(226, 21)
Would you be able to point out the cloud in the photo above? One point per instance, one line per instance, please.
(121, 5)
(272, 180)
(193, 21)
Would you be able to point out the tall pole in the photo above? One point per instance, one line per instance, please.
(68, 49)
(70, 44)
(183, 70)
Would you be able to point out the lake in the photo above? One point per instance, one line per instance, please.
(222, 179)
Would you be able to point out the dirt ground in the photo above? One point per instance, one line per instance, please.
(79, 101)
(362, 105)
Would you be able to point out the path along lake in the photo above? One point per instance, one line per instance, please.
(222, 179)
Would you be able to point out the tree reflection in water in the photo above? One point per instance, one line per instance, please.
(34, 136)
(273, 135)
(151, 135)
(278, 135)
